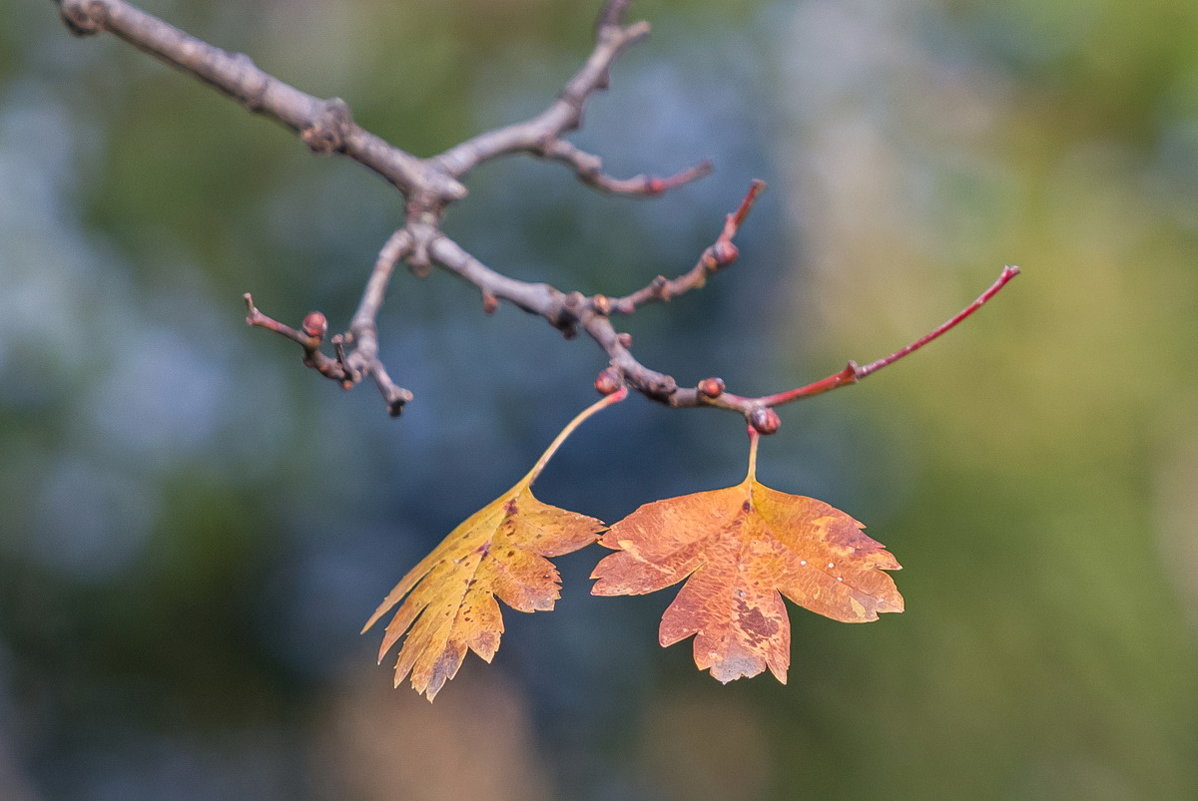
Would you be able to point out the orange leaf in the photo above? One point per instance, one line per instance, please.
(498, 552)
(740, 550)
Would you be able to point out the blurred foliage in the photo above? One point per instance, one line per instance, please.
(194, 527)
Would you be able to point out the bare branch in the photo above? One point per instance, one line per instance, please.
(538, 135)
(612, 14)
(589, 168)
(363, 360)
(540, 299)
(719, 255)
(364, 329)
(757, 411)
(309, 338)
(326, 126)
(851, 374)
(430, 186)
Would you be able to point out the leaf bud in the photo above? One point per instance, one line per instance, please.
(765, 420)
(624, 339)
(711, 387)
(316, 325)
(724, 252)
(608, 381)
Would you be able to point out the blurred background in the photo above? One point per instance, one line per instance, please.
(193, 527)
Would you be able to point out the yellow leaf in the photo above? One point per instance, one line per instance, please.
(500, 552)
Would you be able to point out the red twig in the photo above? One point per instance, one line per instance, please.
(309, 338)
(851, 374)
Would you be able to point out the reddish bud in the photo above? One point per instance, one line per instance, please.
(711, 387)
(601, 304)
(490, 303)
(608, 381)
(316, 325)
(624, 339)
(725, 253)
(765, 420)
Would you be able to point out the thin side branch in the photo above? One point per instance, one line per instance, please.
(719, 255)
(1008, 272)
(309, 338)
(852, 373)
(363, 360)
(563, 115)
(541, 135)
(589, 169)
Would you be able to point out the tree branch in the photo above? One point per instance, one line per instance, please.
(563, 115)
(852, 373)
(541, 135)
(719, 255)
(589, 169)
(430, 186)
(326, 126)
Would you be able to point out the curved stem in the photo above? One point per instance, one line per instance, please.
(598, 405)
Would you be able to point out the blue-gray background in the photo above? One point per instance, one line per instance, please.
(193, 526)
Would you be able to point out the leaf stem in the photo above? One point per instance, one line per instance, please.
(754, 438)
(598, 405)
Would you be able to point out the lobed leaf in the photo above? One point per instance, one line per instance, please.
(740, 550)
(500, 553)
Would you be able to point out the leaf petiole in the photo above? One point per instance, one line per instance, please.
(754, 438)
(582, 416)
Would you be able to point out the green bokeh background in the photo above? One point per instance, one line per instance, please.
(193, 527)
